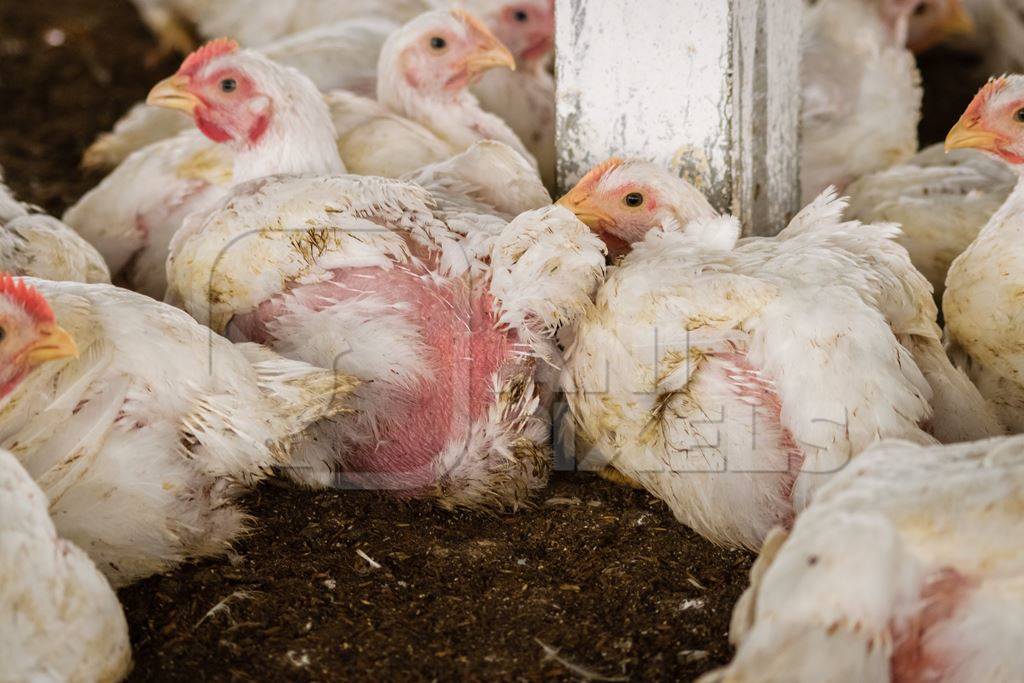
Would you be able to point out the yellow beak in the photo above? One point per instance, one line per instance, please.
(490, 58)
(55, 343)
(578, 202)
(958, 22)
(173, 93)
(490, 52)
(967, 134)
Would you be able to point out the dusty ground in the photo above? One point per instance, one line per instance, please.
(596, 576)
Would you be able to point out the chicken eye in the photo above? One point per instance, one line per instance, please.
(1019, 115)
(3, 334)
(437, 43)
(633, 200)
(920, 9)
(520, 15)
(229, 85)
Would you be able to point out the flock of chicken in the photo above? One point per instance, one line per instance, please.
(341, 265)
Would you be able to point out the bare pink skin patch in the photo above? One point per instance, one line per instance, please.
(912, 661)
(459, 81)
(142, 227)
(537, 50)
(210, 129)
(12, 384)
(749, 384)
(258, 129)
(225, 117)
(464, 348)
(631, 228)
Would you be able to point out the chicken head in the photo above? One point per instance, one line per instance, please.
(933, 21)
(29, 333)
(525, 27)
(273, 118)
(622, 200)
(994, 121)
(217, 86)
(442, 52)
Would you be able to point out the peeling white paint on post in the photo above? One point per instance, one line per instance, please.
(709, 88)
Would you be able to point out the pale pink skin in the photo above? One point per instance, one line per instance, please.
(620, 226)
(527, 29)
(464, 345)
(627, 225)
(231, 116)
(20, 332)
(441, 70)
(994, 110)
(750, 385)
(912, 661)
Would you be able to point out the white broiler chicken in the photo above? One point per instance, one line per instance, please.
(861, 91)
(445, 310)
(477, 193)
(345, 57)
(256, 118)
(860, 85)
(141, 426)
(59, 618)
(33, 243)
(939, 200)
(258, 22)
(982, 303)
(524, 98)
(731, 378)
(904, 568)
(273, 120)
(424, 111)
(341, 56)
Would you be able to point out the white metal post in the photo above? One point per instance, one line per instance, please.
(709, 88)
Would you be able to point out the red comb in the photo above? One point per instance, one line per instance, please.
(198, 59)
(471, 21)
(987, 92)
(595, 174)
(28, 297)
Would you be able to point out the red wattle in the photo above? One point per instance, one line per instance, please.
(211, 129)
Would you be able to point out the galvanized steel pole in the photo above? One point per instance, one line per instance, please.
(709, 88)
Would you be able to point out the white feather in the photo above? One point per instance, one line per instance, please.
(144, 443)
(34, 244)
(694, 344)
(900, 569)
(61, 620)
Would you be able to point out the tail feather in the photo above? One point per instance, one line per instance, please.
(824, 212)
(142, 126)
(105, 153)
(227, 438)
(959, 411)
(301, 393)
